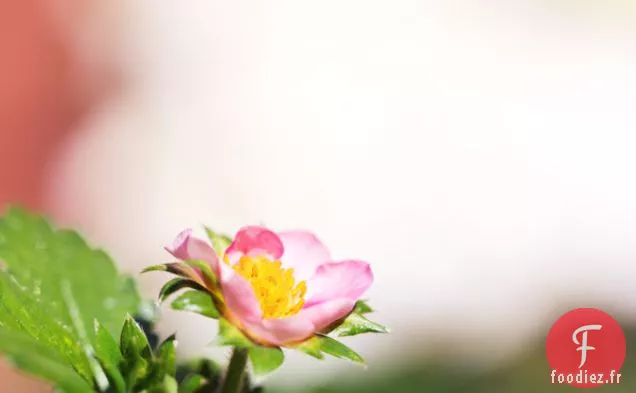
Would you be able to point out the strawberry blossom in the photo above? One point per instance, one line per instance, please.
(279, 289)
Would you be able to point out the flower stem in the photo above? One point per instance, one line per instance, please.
(234, 377)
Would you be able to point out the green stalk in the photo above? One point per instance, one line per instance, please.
(233, 382)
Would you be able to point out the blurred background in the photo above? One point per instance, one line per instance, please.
(479, 154)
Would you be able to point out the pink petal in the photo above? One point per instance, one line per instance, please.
(347, 279)
(278, 332)
(255, 240)
(186, 246)
(326, 313)
(304, 252)
(300, 326)
(239, 296)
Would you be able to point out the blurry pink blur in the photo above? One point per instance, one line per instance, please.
(45, 89)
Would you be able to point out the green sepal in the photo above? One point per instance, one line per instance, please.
(198, 302)
(136, 352)
(265, 360)
(164, 267)
(318, 345)
(208, 275)
(362, 307)
(311, 347)
(356, 324)
(337, 349)
(175, 285)
(220, 242)
(109, 357)
(177, 268)
(230, 335)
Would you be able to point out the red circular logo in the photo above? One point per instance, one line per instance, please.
(586, 348)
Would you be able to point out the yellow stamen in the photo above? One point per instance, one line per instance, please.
(276, 289)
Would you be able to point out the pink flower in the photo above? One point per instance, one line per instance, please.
(279, 288)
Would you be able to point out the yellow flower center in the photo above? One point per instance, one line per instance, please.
(276, 289)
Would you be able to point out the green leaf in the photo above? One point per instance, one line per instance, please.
(137, 354)
(204, 374)
(136, 371)
(167, 385)
(362, 307)
(191, 383)
(109, 357)
(21, 314)
(265, 360)
(337, 349)
(166, 357)
(207, 368)
(229, 335)
(106, 346)
(133, 340)
(220, 242)
(41, 258)
(162, 369)
(53, 286)
(357, 324)
(197, 302)
(115, 379)
(25, 353)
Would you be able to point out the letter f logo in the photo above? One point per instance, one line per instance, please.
(583, 344)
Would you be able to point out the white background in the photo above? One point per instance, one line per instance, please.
(479, 155)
